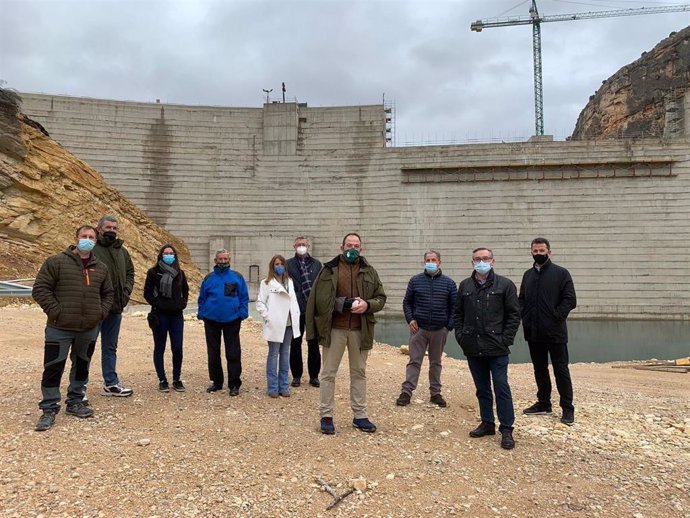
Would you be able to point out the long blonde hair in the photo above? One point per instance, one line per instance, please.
(272, 273)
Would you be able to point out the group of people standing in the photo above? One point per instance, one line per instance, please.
(84, 290)
(485, 312)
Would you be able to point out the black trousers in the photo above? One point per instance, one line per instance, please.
(540, 352)
(313, 354)
(233, 351)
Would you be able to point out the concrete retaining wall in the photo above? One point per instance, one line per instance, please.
(251, 179)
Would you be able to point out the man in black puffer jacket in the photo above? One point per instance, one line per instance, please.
(428, 305)
(547, 296)
(487, 317)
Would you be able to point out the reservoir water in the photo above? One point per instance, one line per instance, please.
(588, 340)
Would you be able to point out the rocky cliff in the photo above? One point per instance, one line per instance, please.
(639, 99)
(46, 193)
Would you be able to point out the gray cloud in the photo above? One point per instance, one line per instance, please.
(447, 82)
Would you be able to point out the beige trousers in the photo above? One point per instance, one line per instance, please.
(331, 357)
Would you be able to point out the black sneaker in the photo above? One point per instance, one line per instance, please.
(45, 421)
(296, 382)
(403, 399)
(179, 386)
(314, 382)
(79, 410)
(568, 417)
(439, 401)
(327, 426)
(234, 391)
(483, 429)
(214, 388)
(163, 386)
(507, 441)
(538, 409)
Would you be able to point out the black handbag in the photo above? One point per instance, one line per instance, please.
(152, 319)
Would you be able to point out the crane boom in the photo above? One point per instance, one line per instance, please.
(536, 20)
(526, 20)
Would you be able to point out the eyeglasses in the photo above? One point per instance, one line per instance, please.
(486, 259)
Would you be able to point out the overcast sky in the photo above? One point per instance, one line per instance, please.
(447, 82)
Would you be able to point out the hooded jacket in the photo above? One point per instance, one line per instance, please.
(75, 298)
(321, 303)
(115, 256)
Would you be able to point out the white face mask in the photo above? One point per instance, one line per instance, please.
(301, 250)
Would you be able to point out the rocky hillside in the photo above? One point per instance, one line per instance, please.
(46, 193)
(635, 100)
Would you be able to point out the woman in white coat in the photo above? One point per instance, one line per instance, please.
(277, 304)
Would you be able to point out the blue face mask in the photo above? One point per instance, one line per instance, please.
(280, 270)
(430, 267)
(482, 268)
(168, 259)
(85, 245)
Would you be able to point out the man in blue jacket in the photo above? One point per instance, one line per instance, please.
(223, 304)
(428, 305)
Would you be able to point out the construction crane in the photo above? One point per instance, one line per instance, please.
(536, 20)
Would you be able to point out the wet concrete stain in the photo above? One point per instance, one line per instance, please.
(157, 161)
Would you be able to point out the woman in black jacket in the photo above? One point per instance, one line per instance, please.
(167, 291)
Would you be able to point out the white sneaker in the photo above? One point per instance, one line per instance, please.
(116, 390)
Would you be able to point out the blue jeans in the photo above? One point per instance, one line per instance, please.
(278, 359)
(174, 326)
(110, 331)
(484, 369)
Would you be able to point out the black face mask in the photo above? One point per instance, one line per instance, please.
(540, 258)
(110, 237)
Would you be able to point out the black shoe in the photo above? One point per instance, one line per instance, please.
(79, 410)
(568, 417)
(234, 391)
(439, 401)
(178, 386)
(403, 399)
(163, 386)
(327, 426)
(214, 388)
(296, 382)
(507, 442)
(484, 429)
(314, 382)
(45, 421)
(364, 424)
(538, 409)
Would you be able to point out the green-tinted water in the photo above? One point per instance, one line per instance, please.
(589, 340)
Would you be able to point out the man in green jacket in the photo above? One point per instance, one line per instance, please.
(110, 250)
(75, 292)
(340, 315)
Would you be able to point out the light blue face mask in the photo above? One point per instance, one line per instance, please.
(430, 267)
(482, 268)
(168, 259)
(85, 245)
(280, 269)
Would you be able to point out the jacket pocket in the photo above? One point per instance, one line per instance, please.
(230, 289)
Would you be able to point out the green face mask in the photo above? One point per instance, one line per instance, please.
(351, 255)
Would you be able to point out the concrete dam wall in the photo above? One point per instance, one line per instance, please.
(251, 179)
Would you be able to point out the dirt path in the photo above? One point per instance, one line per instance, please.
(199, 454)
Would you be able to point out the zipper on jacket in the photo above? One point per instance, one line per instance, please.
(88, 278)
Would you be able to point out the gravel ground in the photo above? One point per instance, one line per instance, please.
(199, 454)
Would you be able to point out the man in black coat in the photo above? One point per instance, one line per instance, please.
(304, 270)
(547, 296)
(487, 317)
